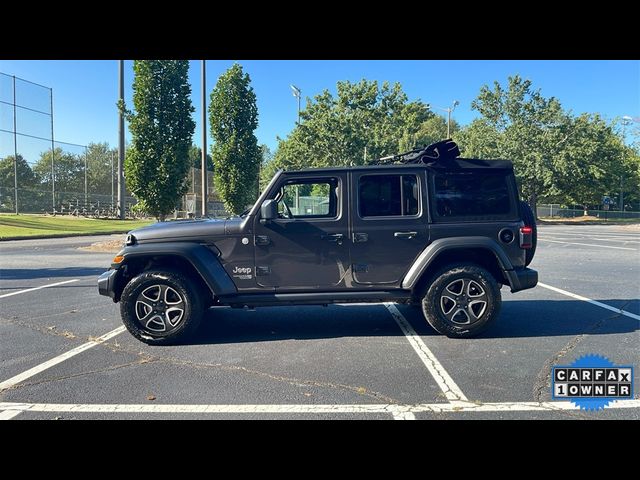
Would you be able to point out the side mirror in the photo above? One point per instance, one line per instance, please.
(269, 210)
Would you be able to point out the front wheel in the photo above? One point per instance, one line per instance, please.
(462, 301)
(161, 307)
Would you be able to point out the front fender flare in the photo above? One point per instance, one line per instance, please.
(201, 258)
(431, 252)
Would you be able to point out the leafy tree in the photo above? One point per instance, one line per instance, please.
(233, 116)
(26, 178)
(68, 170)
(430, 131)
(195, 155)
(363, 122)
(529, 128)
(157, 163)
(99, 157)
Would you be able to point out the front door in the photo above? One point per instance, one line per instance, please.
(307, 246)
(389, 224)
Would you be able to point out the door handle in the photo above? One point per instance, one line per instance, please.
(333, 238)
(407, 235)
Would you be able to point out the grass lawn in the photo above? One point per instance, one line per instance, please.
(34, 226)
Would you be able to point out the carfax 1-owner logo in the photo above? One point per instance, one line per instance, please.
(591, 382)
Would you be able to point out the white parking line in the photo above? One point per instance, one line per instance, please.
(437, 371)
(589, 300)
(59, 359)
(588, 245)
(9, 414)
(398, 411)
(38, 288)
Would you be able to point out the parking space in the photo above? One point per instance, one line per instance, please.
(341, 361)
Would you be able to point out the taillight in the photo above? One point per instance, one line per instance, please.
(526, 237)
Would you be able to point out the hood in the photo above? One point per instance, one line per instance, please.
(180, 230)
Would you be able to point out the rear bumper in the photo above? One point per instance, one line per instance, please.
(107, 283)
(522, 279)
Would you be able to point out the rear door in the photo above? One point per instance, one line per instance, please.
(389, 224)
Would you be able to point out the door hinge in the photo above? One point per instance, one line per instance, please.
(262, 240)
(262, 271)
(360, 237)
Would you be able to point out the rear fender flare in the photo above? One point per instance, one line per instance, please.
(434, 249)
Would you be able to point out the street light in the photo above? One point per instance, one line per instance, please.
(448, 110)
(298, 94)
(626, 120)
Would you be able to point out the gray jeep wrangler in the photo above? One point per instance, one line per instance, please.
(427, 228)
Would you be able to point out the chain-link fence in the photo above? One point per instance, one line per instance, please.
(555, 211)
(39, 174)
(191, 204)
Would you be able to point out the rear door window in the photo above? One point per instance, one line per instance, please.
(472, 195)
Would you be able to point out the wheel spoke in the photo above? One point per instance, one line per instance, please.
(152, 293)
(143, 308)
(460, 316)
(171, 297)
(476, 308)
(156, 323)
(174, 315)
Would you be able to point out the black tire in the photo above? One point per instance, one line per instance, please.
(462, 283)
(162, 323)
(529, 220)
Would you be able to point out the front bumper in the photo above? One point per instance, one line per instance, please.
(522, 279)
(107, 283)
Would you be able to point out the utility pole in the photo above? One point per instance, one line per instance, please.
(53, 155)
(15, 149)
(121, 143)
(85, 177)
(112, 190)
(205, 192)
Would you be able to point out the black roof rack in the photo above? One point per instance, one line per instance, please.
(440, 152)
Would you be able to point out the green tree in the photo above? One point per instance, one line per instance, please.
(233, 116)
(26, 177)
(363, 122)
(195, 156)
(529, 129)
(26, 180)
(99, 158)
(432, 130)
(157, 163)
(68, 170)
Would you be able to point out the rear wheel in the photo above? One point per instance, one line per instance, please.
(462, 301)
(530, 221)
(161, 307)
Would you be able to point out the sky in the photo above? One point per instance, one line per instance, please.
(85, 91)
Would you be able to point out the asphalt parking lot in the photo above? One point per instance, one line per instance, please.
(64, 354)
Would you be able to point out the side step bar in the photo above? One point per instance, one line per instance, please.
(324, 298)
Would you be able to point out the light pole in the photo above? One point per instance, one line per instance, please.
(626, 120)
(121, 210)
(205, 192)
(298, 94)
(448, 110)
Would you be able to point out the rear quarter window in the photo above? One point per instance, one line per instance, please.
(472, 196)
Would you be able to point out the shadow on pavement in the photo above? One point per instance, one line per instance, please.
(31, 273)
(530, 318)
